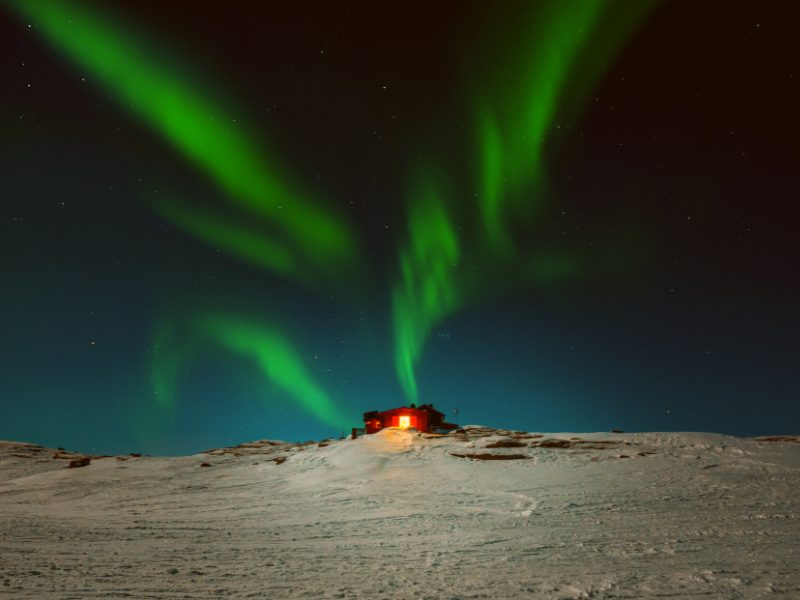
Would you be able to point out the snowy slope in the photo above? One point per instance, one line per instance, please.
(406, 515)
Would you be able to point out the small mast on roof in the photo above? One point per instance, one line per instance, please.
(422, 418)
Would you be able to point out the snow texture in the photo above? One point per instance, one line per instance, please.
(401, 514)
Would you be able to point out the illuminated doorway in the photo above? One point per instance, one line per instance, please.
(405, 422)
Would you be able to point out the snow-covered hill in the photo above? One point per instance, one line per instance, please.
(406, 515)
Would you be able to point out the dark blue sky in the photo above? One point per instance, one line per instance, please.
(678, 182)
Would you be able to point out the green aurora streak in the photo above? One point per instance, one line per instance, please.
(428, 288)
(512, 139)
(276, 358)
(306, 241)
(563, 51)
(300, 239)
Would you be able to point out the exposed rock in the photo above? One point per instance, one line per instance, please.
(552, 444)
(492, 456)
(79, 462)
(576, 443)
(261, 444)
(506, 444)
(65, 454)
(596, 444)
(259, 447)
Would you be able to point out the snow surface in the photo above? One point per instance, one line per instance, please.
(397, 515)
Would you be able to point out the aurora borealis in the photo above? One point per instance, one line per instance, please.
(533, 76)
(224, 224)
(299, 235)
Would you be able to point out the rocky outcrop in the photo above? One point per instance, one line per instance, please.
(487, 456)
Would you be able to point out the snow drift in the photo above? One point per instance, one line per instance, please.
(477, 513)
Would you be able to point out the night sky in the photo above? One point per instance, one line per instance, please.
(242, 220)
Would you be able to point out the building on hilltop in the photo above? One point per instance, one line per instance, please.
(422, 418)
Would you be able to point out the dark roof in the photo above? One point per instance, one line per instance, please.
(422, 407)
(429, 408)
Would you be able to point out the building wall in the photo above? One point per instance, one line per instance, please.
(391, 418)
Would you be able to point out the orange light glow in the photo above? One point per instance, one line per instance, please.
(405, 422)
